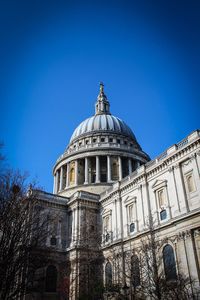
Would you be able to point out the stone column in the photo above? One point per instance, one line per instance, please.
(86, 170)
(137, 164)
(61, 179)
(97, 170)
(129, 166)
(108, 169)
(120, 168)
(67, 175)
(76, 172)
(73, 225)
(55, 186)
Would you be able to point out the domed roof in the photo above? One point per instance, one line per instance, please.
(102, 120)
(102, 123)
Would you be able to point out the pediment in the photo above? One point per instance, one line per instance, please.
(159, 183)
(106, 212)
(129, 199)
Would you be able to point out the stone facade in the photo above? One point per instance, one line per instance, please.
(108, 195)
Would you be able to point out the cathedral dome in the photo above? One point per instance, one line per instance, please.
(102, 123)
(102, 150)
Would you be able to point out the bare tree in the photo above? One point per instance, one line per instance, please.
(23, 232)
(147, 275)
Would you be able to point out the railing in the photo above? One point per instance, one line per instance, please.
(150, 163)
(95, 145)
(51, 197)
(182, 143)
(162, 156)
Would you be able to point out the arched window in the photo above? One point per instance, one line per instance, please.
(135, 271)
(108, 274)
(169, 263)
(51, 279)
(190, 183)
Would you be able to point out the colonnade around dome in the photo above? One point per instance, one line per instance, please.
(97, 169)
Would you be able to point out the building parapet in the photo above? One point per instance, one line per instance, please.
(163, 156)
(85, 196)
(52, 198)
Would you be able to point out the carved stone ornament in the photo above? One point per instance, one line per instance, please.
(192, 156)
(176, 166)
(187, 162)
(184, 235)
(197, 232)
(170, 169)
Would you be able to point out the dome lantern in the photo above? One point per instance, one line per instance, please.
(102, 104)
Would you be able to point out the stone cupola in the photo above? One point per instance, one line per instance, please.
(102, 104)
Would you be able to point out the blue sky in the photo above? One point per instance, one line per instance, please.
(53, 54)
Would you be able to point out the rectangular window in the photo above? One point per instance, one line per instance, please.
(132, 227)
(130, 213)
(106, 223)
(161, 198)
(163, 214)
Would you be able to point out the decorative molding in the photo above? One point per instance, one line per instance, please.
(158, 184)
(197, 232)
(184, 235)
(187, 162)
(170, 169)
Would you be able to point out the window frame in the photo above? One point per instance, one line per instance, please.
(187, 175)
(165, 257)
(50, 285)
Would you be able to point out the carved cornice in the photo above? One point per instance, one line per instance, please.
(184, 235)
(152, 168)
